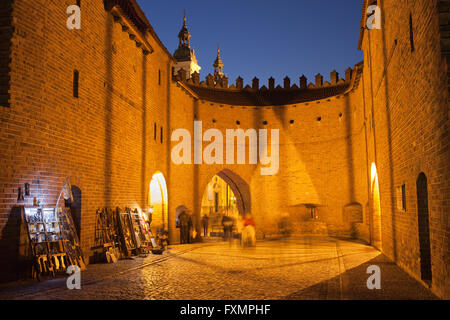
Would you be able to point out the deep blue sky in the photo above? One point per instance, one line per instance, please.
(266, 37)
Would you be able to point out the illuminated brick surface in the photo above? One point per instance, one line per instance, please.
(395, 114)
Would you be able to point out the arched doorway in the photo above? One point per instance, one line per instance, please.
(376, 208)
(227, 194)
(424, 228)
(158, 202)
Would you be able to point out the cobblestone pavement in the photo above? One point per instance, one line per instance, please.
(303, 268)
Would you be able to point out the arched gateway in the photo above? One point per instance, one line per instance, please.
(227, 194)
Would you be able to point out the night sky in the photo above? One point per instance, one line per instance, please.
(264, 38)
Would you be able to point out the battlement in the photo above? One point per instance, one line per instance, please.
(249, 95)
(210, 82)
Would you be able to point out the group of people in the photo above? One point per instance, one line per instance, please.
(246, 227)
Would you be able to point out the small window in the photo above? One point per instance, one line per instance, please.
(76, 81)
(154, 132)
(79, 3)
(238, 123)
(404, 197)
(401, 197)
(162, 131)
(411, 32)
(159, 77)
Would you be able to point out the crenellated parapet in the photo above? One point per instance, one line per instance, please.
(217, 89)
(222, 83)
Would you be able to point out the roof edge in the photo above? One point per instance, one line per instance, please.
(363, 23)
(150, 29)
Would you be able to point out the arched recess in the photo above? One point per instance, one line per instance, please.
(227, 194)
(424, 228)
(158, 201)
(376, 208)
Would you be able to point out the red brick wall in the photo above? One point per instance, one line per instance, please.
(397, 117)
(104, 139)
(5, 43)
(406, 98)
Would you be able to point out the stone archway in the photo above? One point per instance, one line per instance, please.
(226, 194)
(240, 189)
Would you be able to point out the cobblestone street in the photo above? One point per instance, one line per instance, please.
(303, 268)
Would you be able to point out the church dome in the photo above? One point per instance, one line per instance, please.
(183, 53)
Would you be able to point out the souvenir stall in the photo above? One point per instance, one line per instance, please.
(53, 240)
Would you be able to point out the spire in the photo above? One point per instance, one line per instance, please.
(184, 36)
(218, 64)
(184, 54)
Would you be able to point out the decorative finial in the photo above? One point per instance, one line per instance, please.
(184, 19)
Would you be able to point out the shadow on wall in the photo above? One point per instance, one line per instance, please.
(9, 246)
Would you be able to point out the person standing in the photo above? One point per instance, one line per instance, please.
(205, 223)
(184, 227)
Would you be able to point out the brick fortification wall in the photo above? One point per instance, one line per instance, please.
(5, 43)
(116, 134)
(405, 95)
(322, 154)
(104, 140)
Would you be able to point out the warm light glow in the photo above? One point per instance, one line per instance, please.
(376, 208)
(373, 172)
(158, 201)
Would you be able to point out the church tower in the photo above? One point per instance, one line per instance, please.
(184, 55)
(218, 69)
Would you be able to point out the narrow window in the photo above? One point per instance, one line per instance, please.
(154, 132)
(79, 3)
(159, 77)
(162, 131)
(401, 198)
(76, 80)
(404, 197)
(411, 33)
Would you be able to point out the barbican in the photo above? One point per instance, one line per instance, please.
(363, 155)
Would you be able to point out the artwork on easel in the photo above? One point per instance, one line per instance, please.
(126, 232)
(71, 241)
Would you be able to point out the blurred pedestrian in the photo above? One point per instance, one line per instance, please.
(205, 223)
(191, 230)
(227, 223)
(184, 227)
(249, 232)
